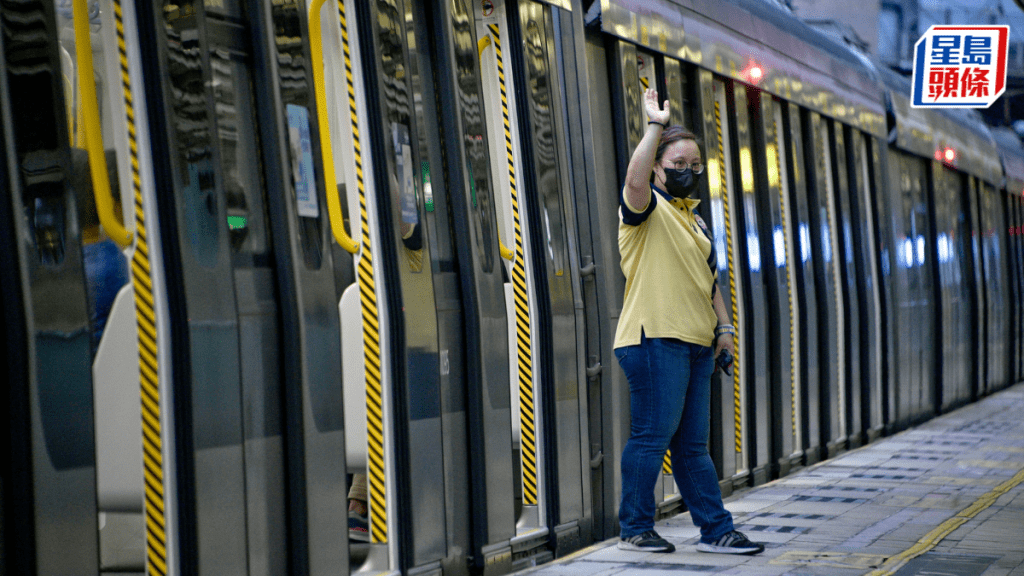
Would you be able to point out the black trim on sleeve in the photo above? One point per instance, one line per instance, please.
(634, 218)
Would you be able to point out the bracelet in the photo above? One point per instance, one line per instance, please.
(658, 123)
(725, 329)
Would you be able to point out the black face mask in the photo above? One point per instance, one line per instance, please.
(680, 183)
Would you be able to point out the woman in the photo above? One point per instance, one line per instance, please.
(672, 316)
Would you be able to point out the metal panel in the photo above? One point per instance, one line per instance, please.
(848, 268)
(485, 353)
(979, 306)
(550, 211)
(417, 423)
(49, 460)
(929, 132)
(727, 392)
(881, 200)
(505, 84)
(832, 394)
(572, 68)
(801, 229)
(866, 255)
(796, 63)
(752, 251)
(779, 352)
(309, 334)
(610, 408)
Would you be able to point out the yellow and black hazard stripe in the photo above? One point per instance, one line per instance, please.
(524, 349)
(149, 367)
(789, 281)
(737, 411)
(371, 327)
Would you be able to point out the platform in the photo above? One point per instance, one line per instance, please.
(944, 498)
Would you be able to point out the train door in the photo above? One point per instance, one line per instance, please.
(831, 332)
(112, 170)
(754, 337)
(848, 293)
(882, 198)
(946, 204)
(609, 397)
(500, 79)
(257, 418)
(526, 113)
(866, 254)
(544, 34)
(776, 255)
(412, 446)
(806, 296)
(979, 306)
(729, 442)
(1017, 246)
(48, 461)
(473, 194)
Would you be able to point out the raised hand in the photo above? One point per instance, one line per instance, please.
(656, 113)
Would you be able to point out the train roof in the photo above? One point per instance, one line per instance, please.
(734, 37)
(1011, 152)
(931, 132)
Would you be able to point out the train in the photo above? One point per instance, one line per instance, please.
(379, 238)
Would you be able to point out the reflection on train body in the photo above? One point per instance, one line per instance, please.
(379, 239)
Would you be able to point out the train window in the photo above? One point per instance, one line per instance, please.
(404, 171)
(538, 36)
(236, 132)
(474, 133)
(109, 106)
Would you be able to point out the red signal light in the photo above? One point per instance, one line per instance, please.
(950, 155)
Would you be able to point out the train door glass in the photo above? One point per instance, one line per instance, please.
(849, 299)
(397, 66)
(784, 248)
(548, 181)
(823, 216)
(754, 250)
(725, 196)
(869, 287)
(499, 78)
(806, 296)
(104, 116)
(994, 257)
(350, 37)
(49, 462)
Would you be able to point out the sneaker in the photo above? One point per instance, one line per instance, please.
(358, 527)
(732, 543)
(647, 542)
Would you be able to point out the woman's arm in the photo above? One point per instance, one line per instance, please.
(637, 190)
(723, 340)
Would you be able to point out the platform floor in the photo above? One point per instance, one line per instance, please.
(944, 498)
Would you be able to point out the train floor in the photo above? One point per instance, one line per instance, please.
(944, 498)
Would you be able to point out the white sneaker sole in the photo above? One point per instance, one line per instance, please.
(623, 545)
(702, 547)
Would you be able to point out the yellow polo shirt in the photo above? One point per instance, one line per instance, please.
(670, 269)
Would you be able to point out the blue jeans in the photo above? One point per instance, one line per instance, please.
(670, 404)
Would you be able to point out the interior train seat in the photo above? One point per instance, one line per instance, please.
(116, 402)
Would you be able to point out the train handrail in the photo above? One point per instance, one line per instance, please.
(93, 132)
(505, 251)
(326, 150)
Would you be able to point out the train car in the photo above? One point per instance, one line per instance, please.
(259, 252)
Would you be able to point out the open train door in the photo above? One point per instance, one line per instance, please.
(47, 451)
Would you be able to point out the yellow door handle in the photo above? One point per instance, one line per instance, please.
(93, 132)
(330, 179)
